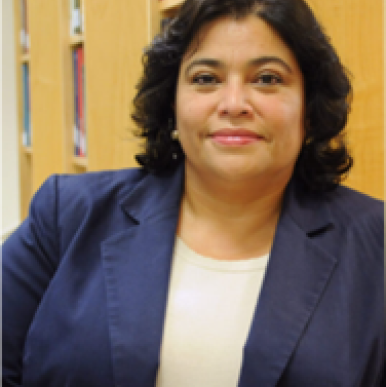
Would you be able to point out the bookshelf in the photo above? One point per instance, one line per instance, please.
(23, 62)
(113, 38)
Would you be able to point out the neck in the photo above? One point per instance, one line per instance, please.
(240, 217)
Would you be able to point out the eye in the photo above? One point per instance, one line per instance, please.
(205, 79)
(268, 79)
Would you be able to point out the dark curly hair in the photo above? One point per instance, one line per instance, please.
(324, 159)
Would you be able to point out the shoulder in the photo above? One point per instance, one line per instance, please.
(351, 206)
(94, 186)
(342, 206)
(355, 218)
(360, 218)
(71, 198)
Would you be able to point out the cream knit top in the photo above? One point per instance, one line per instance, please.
(209, 312)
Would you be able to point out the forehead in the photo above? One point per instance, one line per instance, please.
(249, 35)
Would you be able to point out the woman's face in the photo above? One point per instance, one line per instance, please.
(240, 103)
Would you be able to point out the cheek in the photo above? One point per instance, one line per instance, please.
(287, 127)
(286, 112)
(284, 109)
(192, 113)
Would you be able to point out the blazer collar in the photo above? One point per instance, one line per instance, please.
(137, 264)
(154, 194)
(308, 211)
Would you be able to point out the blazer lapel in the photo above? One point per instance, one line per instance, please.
(137, 267)
(297, 275)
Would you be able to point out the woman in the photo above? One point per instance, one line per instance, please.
(233, 256)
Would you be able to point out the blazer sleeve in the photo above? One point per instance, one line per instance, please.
(29, 259)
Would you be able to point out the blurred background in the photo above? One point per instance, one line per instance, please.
(69, 70)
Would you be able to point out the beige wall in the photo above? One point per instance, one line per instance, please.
(10, 213)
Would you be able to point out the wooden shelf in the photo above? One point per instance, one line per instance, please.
(25, 58)
(27, 150)
(168, 5)
(80, 162)
(76, 40)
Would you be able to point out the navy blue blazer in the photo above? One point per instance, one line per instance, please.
(85, 281)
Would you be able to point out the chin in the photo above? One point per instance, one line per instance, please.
(237, 173)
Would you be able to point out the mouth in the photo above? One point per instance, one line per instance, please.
(235, 137)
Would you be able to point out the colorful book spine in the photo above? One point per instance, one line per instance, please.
(82, 16)
(80, 99)
(76, 110)
(76, 17)
(24, 33)
(26, 26)
(22, 27)
(26, 106)
(29, 107)
(84, 108)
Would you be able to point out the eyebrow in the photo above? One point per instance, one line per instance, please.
(252, 63)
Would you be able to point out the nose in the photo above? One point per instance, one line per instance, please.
(234, 101)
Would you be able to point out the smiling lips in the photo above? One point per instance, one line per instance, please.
(235, 137)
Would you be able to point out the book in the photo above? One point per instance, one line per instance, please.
(76, 112)
(80, 99)
(76, 18)
(26, 26)
(29, 126)
(82, 16)
(26, 105)
(24, 33)
(84, 108)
